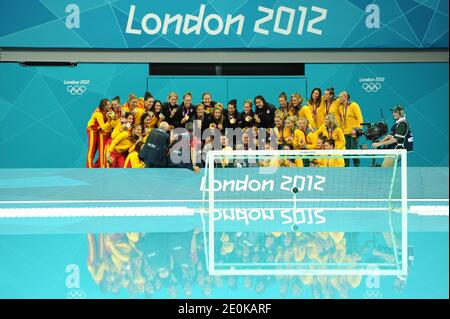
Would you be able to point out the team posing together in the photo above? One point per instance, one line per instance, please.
(117, 134)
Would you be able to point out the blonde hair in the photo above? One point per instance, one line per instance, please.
(333, 120)
(292, 119)
(221, 113)
(303, 119)
(278, 117)
(250, 102)
(172, 94)
(132, 96)
(298, 97)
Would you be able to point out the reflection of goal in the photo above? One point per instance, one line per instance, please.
(324, 220)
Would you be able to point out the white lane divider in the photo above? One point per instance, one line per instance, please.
(429, 210)
(95, 212)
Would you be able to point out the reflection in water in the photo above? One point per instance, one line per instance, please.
(174, 263)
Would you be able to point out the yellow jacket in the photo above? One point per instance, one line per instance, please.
(351, 117)
(337, 135)
(302, 142)
(133, 161)
(318, 113)
(138, 111)
(332, 108)
(305, 111)
(286, 134)
(331, 162)
(97, 121)
(121, 143)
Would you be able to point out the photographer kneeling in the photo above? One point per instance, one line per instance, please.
(401, 136)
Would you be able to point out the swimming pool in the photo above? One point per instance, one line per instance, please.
(159, 247)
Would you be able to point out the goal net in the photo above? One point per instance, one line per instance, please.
(304, 213)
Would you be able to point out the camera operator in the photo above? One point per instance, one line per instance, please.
(401, 136)
(155, 151)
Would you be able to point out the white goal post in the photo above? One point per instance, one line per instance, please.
(391, 200)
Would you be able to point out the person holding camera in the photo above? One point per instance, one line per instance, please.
(155, 151)
(401, 136)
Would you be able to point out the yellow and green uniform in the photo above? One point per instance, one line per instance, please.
(279, 133)
(351, 117)
(336, 134)
(286, 134)
(331, 162)
(305, 112)
(332, 108)
(318, 113)
(304, 141)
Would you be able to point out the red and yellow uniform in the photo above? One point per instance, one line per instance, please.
(331, 108)
(133, 161)
(138, 111)
(118, 149)
(336, 134)
(351, 117)
(114, 123)
(96, 129)
(331, 162)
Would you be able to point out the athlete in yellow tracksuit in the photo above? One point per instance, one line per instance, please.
(97, 127)
(316, 106)
(135, 107)
(133, 160)
(304, 138)
(352, 118)
(332, 160)
(332, 131)
(118, 149)
(331, 105)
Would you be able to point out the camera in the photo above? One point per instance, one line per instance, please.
(373, 131)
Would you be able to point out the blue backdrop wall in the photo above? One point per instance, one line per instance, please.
(43, 122)
(281, 24)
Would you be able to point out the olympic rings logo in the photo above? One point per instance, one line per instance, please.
(76, 89)
(76, 294)
(373, 294)
(371, 87)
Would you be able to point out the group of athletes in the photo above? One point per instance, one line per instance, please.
(141, 132)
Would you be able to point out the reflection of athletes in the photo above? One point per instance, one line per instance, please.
(401, 136)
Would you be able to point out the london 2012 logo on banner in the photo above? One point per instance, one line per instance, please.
(372, 84)
(75, 87)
